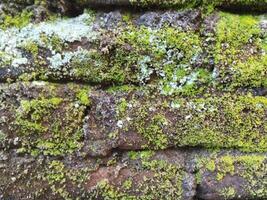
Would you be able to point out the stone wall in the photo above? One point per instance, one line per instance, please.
(127, 99)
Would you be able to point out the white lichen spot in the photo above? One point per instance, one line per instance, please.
(120, 123)
(145, 70)
(19, 61)
(175, 105)
(39, 83)
(60, 60)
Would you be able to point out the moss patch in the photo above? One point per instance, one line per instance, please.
(249, 167)
(20, 20)
(223, 121)
(49, 126)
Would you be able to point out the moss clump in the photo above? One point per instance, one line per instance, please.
(17, 21)
(231, 125)
(94, 67)
(252, 73)
(49, 126)
(143, 155)
(108, 191)
(149, 128)
(232, 34)
(56, 177)
(37, 109)
(225, 165)
(83, 96)
(239, 51)
(122, 88)
(211, 165)
(228, 192)
(154, 132)
(122, 107)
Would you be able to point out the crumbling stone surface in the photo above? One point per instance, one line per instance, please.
(133, 100)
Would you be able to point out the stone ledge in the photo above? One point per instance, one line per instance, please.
(57, 119)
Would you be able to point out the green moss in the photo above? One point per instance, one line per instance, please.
(56, 178)
(45, 127)
(122, 107)
(122, 88)
(225, 165)
(228, 193)
(94, 68)
(108, 191)
(164, 57)
(167, 180)
(152, 130)
(233, 33)
(56, 172)
(127, 184)
(198, 177)
(59, 177)
(32, 48)
(239, 51)
(239, 129)
(252, 168)
(2, 136)
(211, 165)
(143, 155)
(83, 96)
(37, 108)
(251, 73)
(17, 21)
(223, 121)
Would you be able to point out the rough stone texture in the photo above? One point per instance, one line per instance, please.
(171, 174)
(119, 102)
(51, 132)
(71, 7)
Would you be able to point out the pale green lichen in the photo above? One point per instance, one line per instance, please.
(167, 53)
(43, 35)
